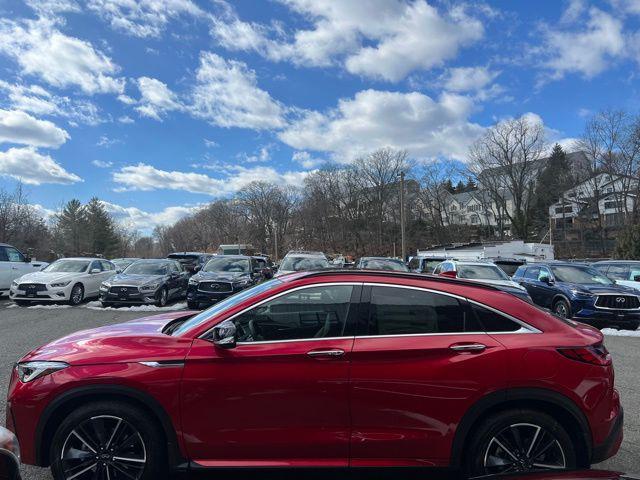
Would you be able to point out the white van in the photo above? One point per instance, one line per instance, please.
(14, 264)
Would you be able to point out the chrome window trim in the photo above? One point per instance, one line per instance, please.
(529, 328)
(261, 302)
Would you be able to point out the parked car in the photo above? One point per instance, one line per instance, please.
(582, 293)
(347, 368)
(425, 264)
(122, 263)
(14, 264)
(146, 282)
(223, 276)
(66, 280)
(191, 261)
(484, 272)
(382, 263)
(301, 260)
(623, 272)
(508, 265)
(9, 455)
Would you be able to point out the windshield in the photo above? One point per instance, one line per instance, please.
(509, 268)
(383, 264)
(67, 266)
(226, 304)
(481, 272)
(227, 265)
(122, 264)
(296, 264)
(146, 268)
(581, 275)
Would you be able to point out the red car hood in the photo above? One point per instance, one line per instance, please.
(133, 341)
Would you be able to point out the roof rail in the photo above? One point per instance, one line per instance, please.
(388, 273)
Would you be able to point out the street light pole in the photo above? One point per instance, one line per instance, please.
(402, 220)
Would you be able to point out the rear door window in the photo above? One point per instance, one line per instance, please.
(532, 273)
(13, 255)
(405, 311)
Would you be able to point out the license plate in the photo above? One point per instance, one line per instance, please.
(31, 295)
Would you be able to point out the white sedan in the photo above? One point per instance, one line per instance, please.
(66, 280)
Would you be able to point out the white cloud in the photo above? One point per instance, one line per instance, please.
(157, 99)
(210, 143)
(627, 6)
(586, 49)
(31, 167)
(53, 7)
(102, 163)
(142, 18)
(427, 128)
(307, 161)
(227, 95)
(107, 142)
(468, 79)
(22, 128)
(126, 119)
(126, 99)
(263, 154)
(36, 100)
(135, 218)
(147, 178)
(385, 39)
(60, 60)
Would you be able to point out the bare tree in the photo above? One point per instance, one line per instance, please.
(505, 162)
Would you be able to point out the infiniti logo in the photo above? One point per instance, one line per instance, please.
(123, 289)
(620, 300)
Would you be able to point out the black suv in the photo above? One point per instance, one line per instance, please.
(223, 276)
(191, 261)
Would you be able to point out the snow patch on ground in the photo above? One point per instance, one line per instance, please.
(620, 333)
(48, 306)
(138, 308)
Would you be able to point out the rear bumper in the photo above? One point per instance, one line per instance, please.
(611, 445)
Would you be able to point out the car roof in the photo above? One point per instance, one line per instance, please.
(154, 260)
(189, 253)
(237, 256)
(381, 258)
(472, 262)
(84, 258)
(602, 262)
(386, 273)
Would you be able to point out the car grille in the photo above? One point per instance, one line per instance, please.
(33, 287)
(215, 287)
(124, 290)
(618, 302)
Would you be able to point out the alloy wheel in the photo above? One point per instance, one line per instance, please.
(561, 309)
(523, 447)
(76, 295)
(162, 300)
(104, 447)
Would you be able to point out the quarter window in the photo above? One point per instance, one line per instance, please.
(314, 312)
(618, 272)
(494, 322)
(403, 311)
(106, 266)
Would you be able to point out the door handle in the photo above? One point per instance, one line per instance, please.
(336, 352)
(468, 347)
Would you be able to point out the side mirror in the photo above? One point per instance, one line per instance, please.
(224, 335)
(27, 258)
(545, 279)
(197, 268)
(95, 270)
(450, 274)
(119, 270)
(636, 278)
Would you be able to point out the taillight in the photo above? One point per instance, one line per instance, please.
(596, 354)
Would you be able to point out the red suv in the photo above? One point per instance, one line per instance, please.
(327, 369)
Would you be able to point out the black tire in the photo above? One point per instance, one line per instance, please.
(77, 294)
(562, 308)
(106, 304)
(486, 456)
(193, 305)
(632, 326)
(162, 298)
(126, 431)
(22, 303)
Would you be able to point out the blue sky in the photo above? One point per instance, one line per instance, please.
(159, 106)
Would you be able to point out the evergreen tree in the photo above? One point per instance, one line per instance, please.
(628, 243)
(70, 228)
(459, 187)
(102, 233)
(552, 182)
(448, 186)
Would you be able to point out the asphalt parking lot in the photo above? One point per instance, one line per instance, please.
(22, 329)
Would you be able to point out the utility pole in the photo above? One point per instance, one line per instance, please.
(275, 241)
(402, 220)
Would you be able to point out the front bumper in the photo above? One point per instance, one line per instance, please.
(195, 295)
(9, 455)
(48, 294)
(604, 318)
(136, 297)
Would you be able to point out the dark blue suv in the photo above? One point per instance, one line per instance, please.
(582, 293)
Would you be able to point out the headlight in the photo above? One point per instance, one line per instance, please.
(149, 287)
(60, 284)
(580, 293)
(193, 281)
(14, 284)
(29, 371)
(105, 286)
(242, 283)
